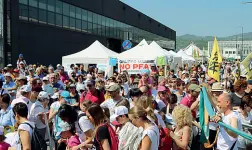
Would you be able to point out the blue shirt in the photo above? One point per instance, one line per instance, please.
(9, 85)
(6, 117)
(2, 77)
(58, 86)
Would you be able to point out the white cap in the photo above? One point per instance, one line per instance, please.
(45, 78)
(58, 65)
(26, 88)
(1, 130)
(43, 95)
(184, 72)
(120, 110)
(7, 74)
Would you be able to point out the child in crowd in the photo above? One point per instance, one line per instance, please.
(3, 145)
(68, 135)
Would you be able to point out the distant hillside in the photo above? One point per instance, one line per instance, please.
(202, 41)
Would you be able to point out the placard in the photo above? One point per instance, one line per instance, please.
(134, 66)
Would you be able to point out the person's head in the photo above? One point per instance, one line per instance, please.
(68, 114)
(113, 91)
(31, 71)
(84, 105)
(162, 93)
(21, 80)
(121, 115)
(134, 94)
(72, 88)
(100, 74)
(64, 97)
(172, 72)
(99, 83)
(50, 69)
(43, 98)
(26, 91)
(21, 57)
(173, 100)
(182, 116)
(249, 85)
(147, 103)
(91, 86)
(144, 89)
(35, 92)
(67, 131)
(194, 90)
(173, 83)
(80, 78)
(181, 85)
(145, 74)
(96, 115)
(138, 116)
(224, 102)
(7, 77)
(246, 103)
(119, 81)
(5, 101)
(45, 80)
(240, 86)
(217, 89)
(33, 82)
(20, 111)
(39, 83)
(124, 102)
(81, 67)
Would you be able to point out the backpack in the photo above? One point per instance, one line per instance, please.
(37, 141)
(113, 138)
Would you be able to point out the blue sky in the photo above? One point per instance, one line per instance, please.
(199, 17)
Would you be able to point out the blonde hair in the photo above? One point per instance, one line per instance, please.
(146, 103)
(182, 115)
(138, 111)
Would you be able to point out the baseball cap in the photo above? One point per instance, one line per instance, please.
(7, 74)
(64, 127)
(153, 65)
(161, 88)
(30, 69)
(100, 71)
(16, 70)
(45, 79)
(194, 87)
(65, 95)
(43, 95)
(217, 87)
(26, 88)
(120, 110)
(21, 55)
(76, 66)
(9, 65)
(72, 86)
(112, 87)
(185, 72)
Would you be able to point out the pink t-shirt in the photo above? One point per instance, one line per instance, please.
(187, 101)
(73, 141)
(4, 146)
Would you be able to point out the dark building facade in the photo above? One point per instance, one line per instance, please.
(46, 30)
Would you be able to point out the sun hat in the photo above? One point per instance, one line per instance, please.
(45, 79)
(120, 110)
(26, 88)
(112, 87)
(65, 95)
(216, 87)
(43, 95)
(161, 88)
(194, 87)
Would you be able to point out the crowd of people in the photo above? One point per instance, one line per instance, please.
(84, 109)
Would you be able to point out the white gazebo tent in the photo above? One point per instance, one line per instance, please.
(192, 49)
(186, 59)
(143, 42)
(96, 53)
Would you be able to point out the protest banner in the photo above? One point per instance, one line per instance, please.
(134, 66)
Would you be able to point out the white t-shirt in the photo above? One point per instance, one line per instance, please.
(160, 103)
(225, 141)
(36, 109)
(110, 104)
(85, 125)
(126, 88)
(153, 133)
(247, 120)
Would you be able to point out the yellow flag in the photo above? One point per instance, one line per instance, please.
(215, 61)
(247, 64)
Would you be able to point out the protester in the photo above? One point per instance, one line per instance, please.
(6, 118)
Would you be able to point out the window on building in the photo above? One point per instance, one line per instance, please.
(65, 22)
(42, 4)
(103, 20)
(72, 11)
(90, 16)
(84, 26)
(33, 14)
(33, 3)
(78, 24)
(233, 52)
(59, 7)
(59, 21)
(51, 5)
(66, 10)
(99, 31)
(95, 17)
(72, 23)
(90, 28)
(23, 2)
(95, 29)
(84, 15)
(51, 18)
(99, 19)
(23, 11)
(247, 52)
(78, 13)
(230, 52)
(42, 16)
(103, 31)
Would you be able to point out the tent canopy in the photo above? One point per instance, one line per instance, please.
(155, 46)
(192, 49)
(143, 42)
(96, 53)
(185, 56)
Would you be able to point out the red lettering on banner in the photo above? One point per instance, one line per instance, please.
(121, 66)
(146, 66)
(140, 66)
(127, 66)
(135, 66)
